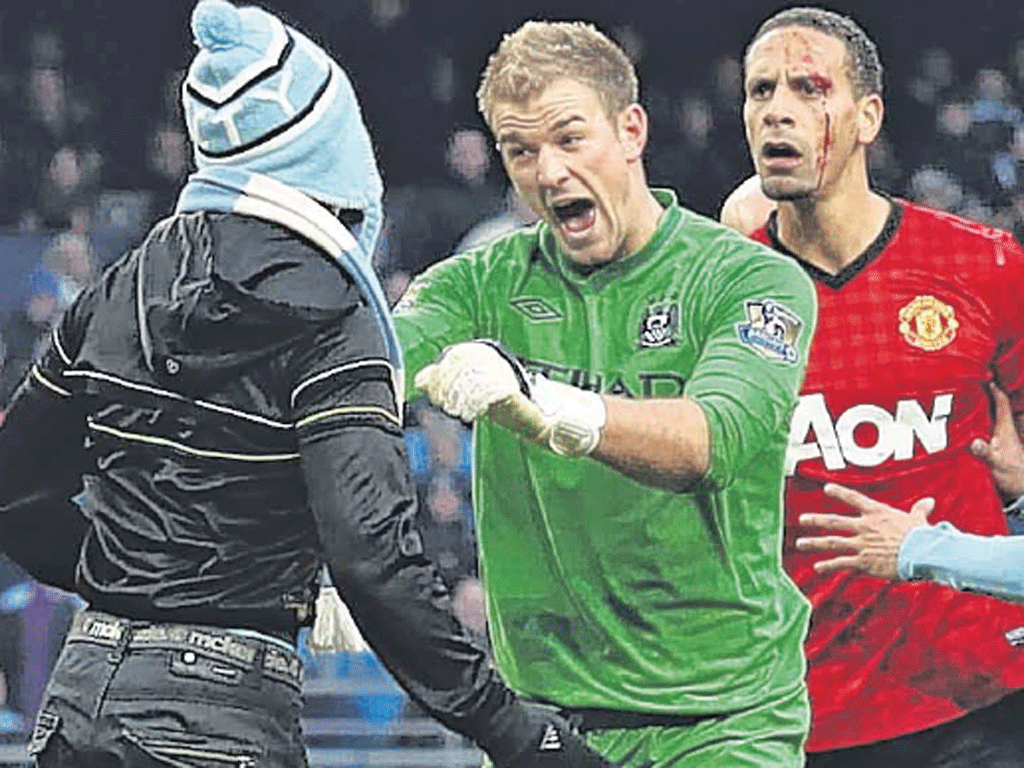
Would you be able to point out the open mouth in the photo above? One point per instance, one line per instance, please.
(575, 215)
(780, 150)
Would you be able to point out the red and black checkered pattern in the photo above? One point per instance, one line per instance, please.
(908, 337)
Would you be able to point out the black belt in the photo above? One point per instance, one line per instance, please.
(247, 650)
(594, 719)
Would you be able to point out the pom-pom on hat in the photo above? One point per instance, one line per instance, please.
(262, 97)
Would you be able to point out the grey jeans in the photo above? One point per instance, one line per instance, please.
(128, 695)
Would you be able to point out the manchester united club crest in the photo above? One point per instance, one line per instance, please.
(928, 323)
(659, 325)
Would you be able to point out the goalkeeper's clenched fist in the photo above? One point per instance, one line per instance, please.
(470, 377)
(479, 377)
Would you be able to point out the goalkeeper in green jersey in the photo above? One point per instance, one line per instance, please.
(630, 368)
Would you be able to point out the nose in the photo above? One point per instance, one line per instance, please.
(779, 109)
(551, 167)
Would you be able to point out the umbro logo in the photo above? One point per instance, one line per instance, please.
(550, 741)
(536, 309)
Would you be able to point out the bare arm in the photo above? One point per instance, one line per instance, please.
(739, 390)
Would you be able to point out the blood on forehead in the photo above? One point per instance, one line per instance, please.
(805, 52)
(800, 46)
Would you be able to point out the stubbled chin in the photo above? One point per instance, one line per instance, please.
(785, 187)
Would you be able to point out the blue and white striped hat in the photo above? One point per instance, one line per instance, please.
(262, 97)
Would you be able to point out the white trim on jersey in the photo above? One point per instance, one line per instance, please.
(34, 370)
(138, 437)
(181, 398)
(348, 410)
(368, 363)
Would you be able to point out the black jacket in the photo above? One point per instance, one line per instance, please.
(225, 393)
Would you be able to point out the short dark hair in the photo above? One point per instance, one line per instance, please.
(865, 67)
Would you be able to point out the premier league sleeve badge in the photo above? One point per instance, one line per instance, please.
(771, 330)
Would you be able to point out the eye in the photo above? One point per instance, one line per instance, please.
(517, 152)
(570, 140)
(760, 89)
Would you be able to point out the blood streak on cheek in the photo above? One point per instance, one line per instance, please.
(826, 145)
(824, 87)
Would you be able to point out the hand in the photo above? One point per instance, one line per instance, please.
(478, 377)
(470, 377)
(1003, 453)
(552, 743)
(874, 536)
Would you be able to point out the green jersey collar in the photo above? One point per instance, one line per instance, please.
(602, 275)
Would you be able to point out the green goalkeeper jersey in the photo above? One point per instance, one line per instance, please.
(602, 592)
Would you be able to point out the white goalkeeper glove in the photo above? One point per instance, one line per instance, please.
(479, 377)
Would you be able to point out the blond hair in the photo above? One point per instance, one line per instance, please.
(540, 52)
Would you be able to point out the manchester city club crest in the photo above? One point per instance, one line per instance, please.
(928, 323)
(659, 325)
(771, 330)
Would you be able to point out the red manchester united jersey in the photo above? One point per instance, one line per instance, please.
(909, 336)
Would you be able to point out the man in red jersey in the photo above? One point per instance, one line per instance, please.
(918, 314)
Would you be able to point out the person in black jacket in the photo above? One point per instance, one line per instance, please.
(230, 392)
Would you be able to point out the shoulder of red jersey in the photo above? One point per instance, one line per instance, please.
(761, 234)
(953, 230)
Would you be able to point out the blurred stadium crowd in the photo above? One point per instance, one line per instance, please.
(92, 150)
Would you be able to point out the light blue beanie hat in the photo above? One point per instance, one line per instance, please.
(262, 97)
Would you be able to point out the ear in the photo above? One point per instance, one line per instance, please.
(870, 113)
(632, 127)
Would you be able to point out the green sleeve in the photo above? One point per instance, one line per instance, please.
(439, 308)
(747, 384)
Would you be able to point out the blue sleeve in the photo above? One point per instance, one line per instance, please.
(993, 565)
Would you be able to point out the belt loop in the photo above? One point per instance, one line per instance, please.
(254, 677)
(117, 653)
